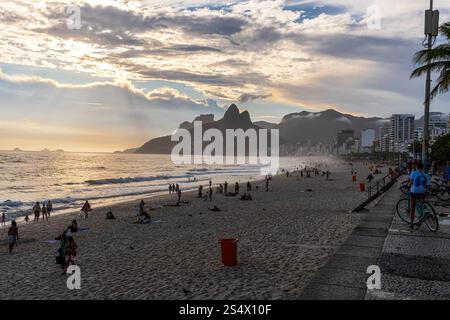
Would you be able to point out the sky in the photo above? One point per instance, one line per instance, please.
(134, 70)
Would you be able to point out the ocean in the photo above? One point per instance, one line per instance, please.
(68, 179)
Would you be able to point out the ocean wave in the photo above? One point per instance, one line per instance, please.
(132, 179)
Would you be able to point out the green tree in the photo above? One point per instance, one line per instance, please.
(436, 60)
(440, 150)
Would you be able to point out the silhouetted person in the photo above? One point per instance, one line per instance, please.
(249, 187)
(200, 191)
(226, 187)
(236, 188)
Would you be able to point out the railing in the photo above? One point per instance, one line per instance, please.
(381, 186)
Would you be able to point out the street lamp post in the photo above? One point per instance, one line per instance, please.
(431, 31)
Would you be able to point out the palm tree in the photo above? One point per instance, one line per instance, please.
(436, 60)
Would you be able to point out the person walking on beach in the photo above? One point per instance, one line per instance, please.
(37, 211)
(249, 186)
(86, 209)
(62, 250)
(200, 191)
(236, 188)
(179, 195)
(13, 235)
(225, 188)
(44, 212)
(267, 183)
(170, 189)
(49, 207)
(177, 187)
(210, 193)
(3, 219)
(71, 253)
(141, 207)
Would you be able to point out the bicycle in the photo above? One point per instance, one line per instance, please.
(443, 191)
(424, 213)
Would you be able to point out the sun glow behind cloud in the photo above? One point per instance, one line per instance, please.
(273, 56)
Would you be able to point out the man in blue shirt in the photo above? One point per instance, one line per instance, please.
(418, 184)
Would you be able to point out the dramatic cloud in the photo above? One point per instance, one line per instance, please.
(197, 55)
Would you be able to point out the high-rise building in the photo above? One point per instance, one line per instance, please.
(384, 138)
(367, 138)
(344, 136)
(439, 120)
(402, 132)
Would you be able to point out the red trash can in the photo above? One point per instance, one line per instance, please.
(354, 178)
(362, 187)
(229, 252)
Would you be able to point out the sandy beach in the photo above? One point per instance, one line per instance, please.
(285, 235)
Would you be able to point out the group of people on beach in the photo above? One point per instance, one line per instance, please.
(45, 210)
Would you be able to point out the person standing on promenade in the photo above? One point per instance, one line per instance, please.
(37, 211)
(418, 183)
(3, 219)
(13, 235)
(49, 207)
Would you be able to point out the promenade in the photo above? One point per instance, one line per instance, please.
(415, 264)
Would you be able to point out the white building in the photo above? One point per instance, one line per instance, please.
(402, 132)
(367, 138)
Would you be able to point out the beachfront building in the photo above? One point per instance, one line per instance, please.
(367, 140)
(401, 132)
(384, 138)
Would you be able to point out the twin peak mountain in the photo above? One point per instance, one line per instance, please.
(295, 129)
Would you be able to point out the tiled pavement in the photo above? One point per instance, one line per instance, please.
(414, 264)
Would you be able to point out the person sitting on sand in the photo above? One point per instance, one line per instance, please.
(13, 235)
(86, 209)
(49, 207)
(44, 212)
(71, 253)
(144, 219)
(37, 211)
(73, 226)
(110, 216)
(246, 197)
(27, 218)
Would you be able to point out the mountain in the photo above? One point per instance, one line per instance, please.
(295, 129)
(232, 119)
(322, 127)
(266, 125)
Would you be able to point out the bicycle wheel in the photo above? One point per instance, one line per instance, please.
(430, 217)
(403, 211)
(435, 188)
(443, 193)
